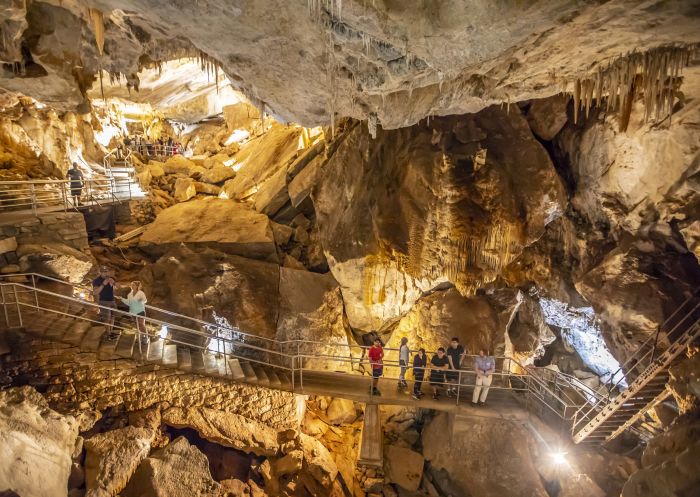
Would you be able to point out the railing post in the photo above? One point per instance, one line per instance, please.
(459, 383)
(36, 294)
(294, 373)
(65, 197)
(4, 305)
(301, 367)
(19, 312)
(33, 199)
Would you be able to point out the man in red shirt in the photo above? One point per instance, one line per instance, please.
(376, 354)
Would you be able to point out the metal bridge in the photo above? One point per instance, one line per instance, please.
(33, 197)
(56, 310)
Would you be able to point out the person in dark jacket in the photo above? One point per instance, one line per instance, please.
(76, 183)
(419, 362)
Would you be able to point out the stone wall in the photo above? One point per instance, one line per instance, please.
(73, 379)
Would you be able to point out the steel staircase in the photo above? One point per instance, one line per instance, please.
(119, 168)
(646, 371)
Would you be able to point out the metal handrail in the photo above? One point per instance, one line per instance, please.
(296, 359)
(653, 338)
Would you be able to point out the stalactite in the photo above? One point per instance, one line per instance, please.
(655, 74)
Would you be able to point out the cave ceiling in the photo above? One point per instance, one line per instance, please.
(306, 60)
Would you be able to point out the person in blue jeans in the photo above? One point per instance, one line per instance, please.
(419, 362)
(103, 289)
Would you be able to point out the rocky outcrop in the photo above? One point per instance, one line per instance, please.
(55, 260)
(455, 213)
(670, 463)
(112, 458)
(178, 469)
(403, 467)
(226, 429)
(36, 444)
(311, 308)
(467, 450)
(227, 225)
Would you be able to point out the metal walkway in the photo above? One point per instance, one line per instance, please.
(646, 372)
(20, 199)
(55, 310)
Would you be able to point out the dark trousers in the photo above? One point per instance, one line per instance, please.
(418, 383)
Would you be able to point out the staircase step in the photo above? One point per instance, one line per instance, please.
(184, 359)
(198, 361)
(125, 345)
(93, 337)
(107, 347)
(272, 376)
(261, 374)
(248, 370)
(155, 350)
(236, 369)
(76, 334)
(169, 355)
(285, 379)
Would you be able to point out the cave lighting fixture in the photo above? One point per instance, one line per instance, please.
(558, 457)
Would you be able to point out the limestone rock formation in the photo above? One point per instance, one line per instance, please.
(228, 225)
(670, 463)
(36, 444)
(465, 449)
(112, 458)
(429, 204)
(178, 469)
(55, 260)
(226, 429)
(311, 308)
(373, 57)
(403, 467)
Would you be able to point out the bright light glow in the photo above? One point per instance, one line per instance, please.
(226, 332)
(580, 329)
(559, 457)
(163, 333)
(83, 295)
(229, 162)
(236, 137)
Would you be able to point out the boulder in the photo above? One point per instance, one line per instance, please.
(156, 169)
(403, 467)
(318, 461)
(341, 411)
(547, 116)
(112, 458)
(261, 158)
(207, 188)
(178, 469)
(311, 308)
(289, 464)
(505, 463)
(8, 245)
(36, 444)
(224, 224)
(301, 185)
(670, 463)
(282, 233)
(177, 164)
(272, 195)
(224, 428)
(184, 189)
(212, 285)
(217, 174)
(55, 260)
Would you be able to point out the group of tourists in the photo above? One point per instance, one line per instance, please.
(445, 370)
(154, 148)
(103, 290)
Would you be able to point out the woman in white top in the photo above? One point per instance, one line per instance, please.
(136, 300)
(404, 352)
